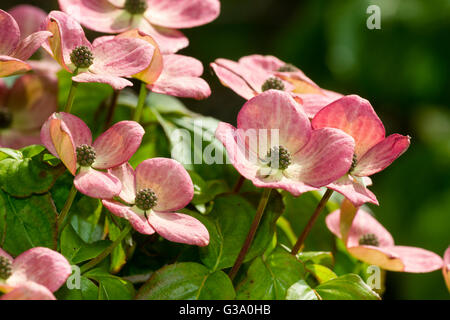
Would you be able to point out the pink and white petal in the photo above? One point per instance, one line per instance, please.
(67, 35)
(333, 221)
(179, 65)
(97, 184)
(179, 228)
(382, 155)
(417, 260)
(169, 180)
(325, 158)
(9, 33)
(353, 190)
(15, 139)
(122, 57)
(355, 116)
(41, 265)
(382, 257)
(6, 255)
(276, 112)
(79, 131)
(98, 15)
(314, 102)
(28, 291)
(364, 223)
(233, 81)
(118, 144)
(10, 66)
(136, 219)
(182, 14)
(28, 46)
(246, 164)
(125, 174)
(29, 18)
(117, 83)
(446, 268)
(257, 61)
(183, 87)
(169, 40)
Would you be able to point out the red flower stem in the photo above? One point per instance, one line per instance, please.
(107, 251)
(238, 184)
(251, 234)
(141, 102)
(298, 245)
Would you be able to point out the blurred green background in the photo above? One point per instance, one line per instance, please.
(403, 69)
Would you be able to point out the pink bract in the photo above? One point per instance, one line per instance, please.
(15, 50)
(352, 225)
(373, 151)
(63, 133)
(36, 274)
(247, 76)
(173, 188)
(27, 104)
(160, 20)
(113, 60)
(272, 119)
(446, 268)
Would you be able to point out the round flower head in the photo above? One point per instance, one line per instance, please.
(274, 145)
(373, 151)
(367, 240)
(104, 62)
(158, 18)
(153, 193)
(33, 275)
(68, 138)
(15, 50)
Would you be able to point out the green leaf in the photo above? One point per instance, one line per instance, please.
(206, 191)
(88, 291)
(301, 291)
(324, 258)
(87, 220)
(27, 223)
(346, 287)
(187, 281)
(320, 272)
(228, 224)
(111, 287)
(270, 278)
(25, 172)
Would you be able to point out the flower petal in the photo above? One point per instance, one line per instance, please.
(29, 291)
(353, 190)
(118, 144)
(314, 102)
(41, 265)
(381, 155)
(267, 63)
(16, 139)
(233, 81)
(9, 34)
(97, 184)
(446, 268)
(29, 18)
(138, 221)
(326, 157)
(276, 112)
(169, 40)
(355, 116)
(28, 46)
(382, 257)
(98, 15)
(11, 66)
(122, 57)
(125, 174)
(117, 83)
(180, 228)
(417, 260)
(169, 180)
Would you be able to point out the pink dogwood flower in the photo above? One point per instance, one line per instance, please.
(170, 74)
(14, 50)
(373, 151)
(158, 18)
(367, 240)
(108, 62)
(33, 275)
(274, 145)
(24, 108)
(152, 194)
(68, 138)
(446, 268)
(254, 74)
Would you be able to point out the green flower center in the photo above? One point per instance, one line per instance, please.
(369, 239)
(273, 83)
(146, 199)
(278, 158)
(354, 162)
(5, 268)
(82, 57)
(136, 6)
(85, 155)
(287, 68)
(5, 118)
